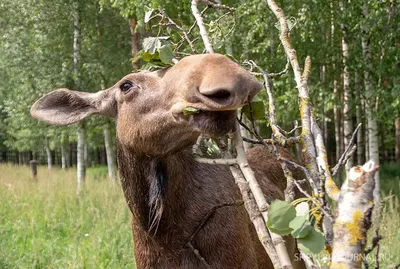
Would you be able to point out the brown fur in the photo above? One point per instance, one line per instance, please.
(168, 192)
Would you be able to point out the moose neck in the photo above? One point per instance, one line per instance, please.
(154, 186)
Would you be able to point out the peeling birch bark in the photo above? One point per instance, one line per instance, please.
(372, 125)
(355, 206)
(259, 197)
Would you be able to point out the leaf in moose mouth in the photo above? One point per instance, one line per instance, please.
(190, 111)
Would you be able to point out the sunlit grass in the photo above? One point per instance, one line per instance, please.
(44, 224)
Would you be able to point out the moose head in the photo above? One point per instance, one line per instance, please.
(149, 106)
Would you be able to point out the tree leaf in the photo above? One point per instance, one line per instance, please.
(166, 54)
(301, 226)
(151, 44)
(314, 242)
(146, 56)
(302, 209)
(212, 148)
(147, 15)
(190, 111)
(257, 108)
(280, 214)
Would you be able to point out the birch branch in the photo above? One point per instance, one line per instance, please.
(185, 34)
(355, 206)
(347, 152)
(255, 216)
(217, 161)
(202, 27)
(273, 244)
(218, 5)
(301, 83)
(259, 197)
(311, 136)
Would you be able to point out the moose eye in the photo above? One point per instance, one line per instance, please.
(126, 86)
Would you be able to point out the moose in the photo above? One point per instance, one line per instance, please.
(166, 190)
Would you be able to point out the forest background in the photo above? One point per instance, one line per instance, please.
(88, 45)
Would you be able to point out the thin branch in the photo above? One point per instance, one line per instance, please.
(259, 197)
(279, 74)
(308, 261)
(208, 215)
(314, 201)
(218, 6)
(202, 28)
(197, 253)
(255, 216)
(347, 153)
(185, 34)
(217, 161)
(375, 244)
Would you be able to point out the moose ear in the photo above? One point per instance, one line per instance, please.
(63, 106)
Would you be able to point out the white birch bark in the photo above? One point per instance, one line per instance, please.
(354, 217)
(347, 120)
(80, 158)
(372, 130)
(48, 152)
(110, 152)
(360, 119)
(63, 153)
(81, 167)
(336, 112)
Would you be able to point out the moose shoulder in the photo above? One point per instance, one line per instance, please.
(168, 192)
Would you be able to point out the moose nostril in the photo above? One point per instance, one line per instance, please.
(218, 95)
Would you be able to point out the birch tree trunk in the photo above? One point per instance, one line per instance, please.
(81, 167)
(360, 119)
(336, 110)
(110, 152)
(80, 158)
(347, 119)
(373, 138)
(48, 152)
(63, 153)
(354, 217)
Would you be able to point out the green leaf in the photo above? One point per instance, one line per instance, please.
(257, 108)
(280, 214)
(147, 15)
(301, 226)
(314, 242)
(151, 44)
(146, 57)
(302, 209)
(190, 111)
(212, 148)
(166, 54)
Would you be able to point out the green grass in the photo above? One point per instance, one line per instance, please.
(44, 224)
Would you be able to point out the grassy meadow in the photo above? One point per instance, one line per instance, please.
(43, 224)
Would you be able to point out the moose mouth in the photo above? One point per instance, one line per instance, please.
(215, 122)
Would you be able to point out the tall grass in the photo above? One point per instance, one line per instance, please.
(44, 224)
